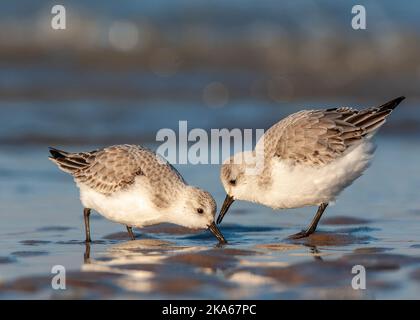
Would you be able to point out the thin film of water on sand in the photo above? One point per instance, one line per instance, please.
(372, 226)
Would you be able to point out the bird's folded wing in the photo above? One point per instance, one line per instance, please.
(318, 137)
(115, 168)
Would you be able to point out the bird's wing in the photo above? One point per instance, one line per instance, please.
(114, 168)
(317, 137)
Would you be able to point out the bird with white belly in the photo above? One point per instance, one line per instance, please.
(134, 186)
(308, 159)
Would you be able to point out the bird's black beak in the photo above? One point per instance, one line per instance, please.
(225, 207)
(216, 232)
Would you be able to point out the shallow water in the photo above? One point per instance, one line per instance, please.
(80, 92)
(375, 223)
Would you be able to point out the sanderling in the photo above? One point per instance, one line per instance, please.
(309, 158)
(134, 186)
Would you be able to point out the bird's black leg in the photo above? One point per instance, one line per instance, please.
(131, 233)
(86, 257)
(312, 227)
(316, 253)
(86, 214)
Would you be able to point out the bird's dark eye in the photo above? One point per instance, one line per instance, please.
(232, 182)
(200, 211)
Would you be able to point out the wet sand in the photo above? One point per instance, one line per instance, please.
(374, 224)
(318, 267)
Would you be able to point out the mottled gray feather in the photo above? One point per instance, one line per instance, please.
(115, 168)
(317, 137)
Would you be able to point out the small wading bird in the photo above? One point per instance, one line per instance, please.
(309, 158)
(133, 186)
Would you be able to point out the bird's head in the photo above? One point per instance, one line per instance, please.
(236, 180)
(199, 209)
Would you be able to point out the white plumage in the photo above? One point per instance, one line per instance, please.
(308, 159)
(134, 186)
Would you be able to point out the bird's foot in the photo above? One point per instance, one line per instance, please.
(300, 235)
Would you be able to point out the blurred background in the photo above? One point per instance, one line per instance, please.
(124, 69)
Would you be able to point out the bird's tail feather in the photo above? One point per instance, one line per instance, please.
(68, 162)
(371, 119)
(391, 105)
